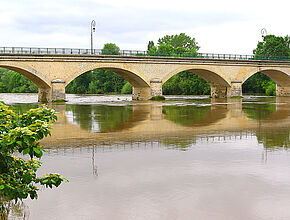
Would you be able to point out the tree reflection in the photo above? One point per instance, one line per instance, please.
(179, 144)
(192, 115)
(99, 118)
(258, 111)
(274, 139)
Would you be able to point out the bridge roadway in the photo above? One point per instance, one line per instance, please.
(52, 73)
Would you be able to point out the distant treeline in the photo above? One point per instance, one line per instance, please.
(100, 81)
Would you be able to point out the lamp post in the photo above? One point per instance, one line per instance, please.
(264, 34)
(93, 29)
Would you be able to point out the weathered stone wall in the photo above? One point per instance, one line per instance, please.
(58, 89)
(44, 95)
(218, 91)
(141, 93)
(282, 90)
(156, 87)
(235, 89)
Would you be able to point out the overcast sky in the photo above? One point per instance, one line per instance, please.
(219, 26)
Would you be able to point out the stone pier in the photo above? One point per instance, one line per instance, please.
(218, 91)
(282, 90)
(156, 87)
(44, 95)
(140, 93)
(58, 89)
(235, 89)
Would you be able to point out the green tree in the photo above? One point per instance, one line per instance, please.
(127, 88)
(273, 46)
(179, 41)
(175, 45)
(12, 82)
(21, 134)
(186, 83)
(111, 49)
(150, 45)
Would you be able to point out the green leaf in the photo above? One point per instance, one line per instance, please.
(36, 150)
(26, 151)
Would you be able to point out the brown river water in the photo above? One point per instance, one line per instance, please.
(189, 157)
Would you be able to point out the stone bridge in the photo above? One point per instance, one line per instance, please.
(52, 73)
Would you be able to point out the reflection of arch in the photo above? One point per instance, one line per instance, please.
(134, 77)
(139, 114)
(278, 76)
(208, 74)
(209, 115)
(36, 77)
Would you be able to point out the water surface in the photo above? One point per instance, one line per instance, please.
(185, 158)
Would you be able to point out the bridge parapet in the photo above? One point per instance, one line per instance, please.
(85, 52)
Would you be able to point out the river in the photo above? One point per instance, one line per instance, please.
(189, 157)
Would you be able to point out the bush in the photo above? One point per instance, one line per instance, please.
(158, 98)
(271, 90)
(127, 88)
(21, 134)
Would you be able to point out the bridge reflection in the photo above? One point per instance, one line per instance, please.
(171, 124)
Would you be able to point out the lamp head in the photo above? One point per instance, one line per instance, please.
(264, 32)
(93, 25)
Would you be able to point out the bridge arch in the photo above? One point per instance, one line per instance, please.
(218, 82)
(139, 82)
(40, 80)
(280, 77)
(29, 72)
(136, 78)
(210, 75)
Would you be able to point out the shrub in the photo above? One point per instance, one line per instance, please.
(21, 134)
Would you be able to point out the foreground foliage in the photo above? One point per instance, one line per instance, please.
(20, 134)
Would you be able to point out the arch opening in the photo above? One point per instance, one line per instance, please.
(108, 80)
(270, 82)
(23, 74)
(29, 80)
(198, 82)
(14, 82)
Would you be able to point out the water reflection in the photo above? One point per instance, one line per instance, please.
(209, 158)
(175, 119)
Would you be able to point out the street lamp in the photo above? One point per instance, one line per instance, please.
(264, 34)
(93, 29)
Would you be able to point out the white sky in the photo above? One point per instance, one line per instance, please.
(219, 26)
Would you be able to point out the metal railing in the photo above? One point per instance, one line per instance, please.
(74, 51)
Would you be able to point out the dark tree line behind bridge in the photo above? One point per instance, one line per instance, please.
(100, 81)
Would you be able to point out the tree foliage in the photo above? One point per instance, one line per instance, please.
(273, 46)
(20, 134)
(174, 45)
(186, 83)
(111, 49)
(12, 82)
